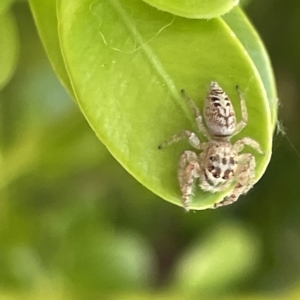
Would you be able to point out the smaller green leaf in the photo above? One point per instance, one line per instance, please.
(195, 9)
(44, 13)
(9, 48)
(247, 35)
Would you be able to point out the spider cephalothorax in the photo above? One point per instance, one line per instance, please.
(219, 165)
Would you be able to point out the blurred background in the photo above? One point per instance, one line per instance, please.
(75, 225)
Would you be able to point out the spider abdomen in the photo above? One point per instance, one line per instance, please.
(219, 113)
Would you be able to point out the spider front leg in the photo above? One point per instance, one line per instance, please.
(197, 115)
(239, 145)
(245, 179)
(243, 123)
(188, 172)
(192, 137)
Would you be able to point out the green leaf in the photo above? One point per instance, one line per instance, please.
(9, 47)
(127, 63)
(195, 9)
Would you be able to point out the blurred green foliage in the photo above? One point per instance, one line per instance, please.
(75, 225)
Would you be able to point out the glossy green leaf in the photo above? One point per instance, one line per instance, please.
(9, 47)
(130, 93)
(195, 9)
(127, 63)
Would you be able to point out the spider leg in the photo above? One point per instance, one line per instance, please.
(193, 139)
(239, 127)
(245, 179)
(197, 115)
(188, 171)
(239, 145)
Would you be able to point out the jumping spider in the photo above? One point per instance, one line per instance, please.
(219, 164)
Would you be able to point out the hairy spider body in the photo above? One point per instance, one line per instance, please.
(219, 165)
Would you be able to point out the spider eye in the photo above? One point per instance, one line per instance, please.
(217, 104)
(214, 98)
(227, 174)
(215, 158)
(228, 104)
